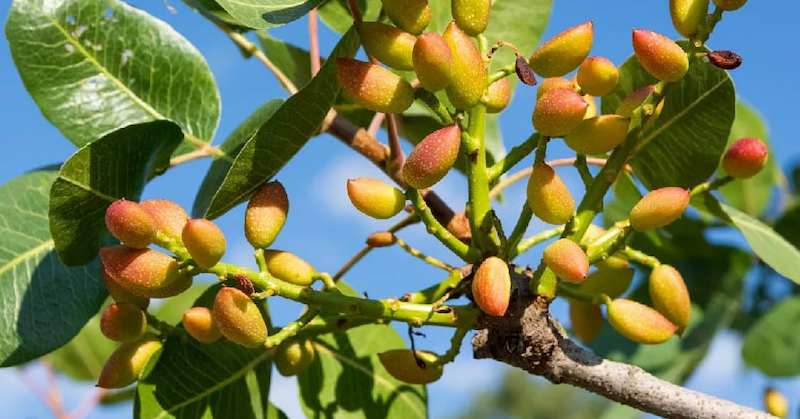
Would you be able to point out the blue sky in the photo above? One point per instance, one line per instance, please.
(325, 229)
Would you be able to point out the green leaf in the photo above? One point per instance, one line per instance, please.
(294, 62)
(84, 356)
(684, 145)
(228, 152)
(171, 310)
(773, 249)
(787, 224)
(773, 345)
(520, 22)
(213, 7)
(336, 14)
(124, 67)
(346, 378)
(115, 166)
(260, 14)
(282, 136)
(751, 195)
(626, 195)
(45, 304)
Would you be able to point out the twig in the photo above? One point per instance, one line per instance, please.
(313, 42)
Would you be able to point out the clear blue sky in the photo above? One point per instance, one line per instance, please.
(326, 230)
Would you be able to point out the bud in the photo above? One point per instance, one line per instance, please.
(586, 320)
(123, 322)
(524, 72)
(381, 239)
(389, 45)
(373, 86)
(727, 60)
(598, 135)
(169, 216)
(558, 112)
(634, 100)
(548, 196)
(659, 55)
(289, 267)
(293, 356)
(639, 322)
(567, 260)
(659, 208)
(564, 52)
(199, 323)
(432, 158)
(265, 215)
(611, 278)
(745, 158)
(204, 241)
(728, 5)
(433, 61)
(491, 286)
(144, 272)
(553, 83)
(776, 403)
(597, 76)
(670, 296)
(469, 70)
(375, 198)
(497, 96)
(127, 362)
(404, 366)
(472, 16)
(688, 15)
(409, 15)
(120, 295)
(238, 318)
(131, 224)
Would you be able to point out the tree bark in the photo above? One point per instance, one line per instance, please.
(528, 337)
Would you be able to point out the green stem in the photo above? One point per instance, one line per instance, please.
(291, 329)
(526, 244)
(433, 103)
(525, 216)
(261, 261)
(571, 291)
(610, 242)
(503, 72)
(513, 157)
(435, 292)
(455, 346)
(583, 169)
(640, 257)
(427, 259)
(478, 183)
(711, 186)
(541, 150)
(466, 252)
(163, 327)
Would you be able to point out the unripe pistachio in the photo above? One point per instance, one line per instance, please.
(204, 241)
(551, 83)
(639, 322)
(472, 16)
(170, 218)
(548, 196)
(728, 5)
(611, 278)
(564, 52)
(432, 158)
(591, 110)
(776, 403)
(586, 320)
(373, 86)
(238, 318)
(745, 158)
(597, 76)
(120, 295)
(409, 15)
(659, 208)
(127, 362)
(144, 272)
(688, 15)
(388, 44)
(433, 61)
(381, 239)
(558, 112)
(659, 55)
(266, 214)
(123, 322)
(404, 366)
(634, 100)
(469, 70)
(598, 135)
(491, 286)
(497, 96)
(293, 356)
(375, 198)
(670, 296)
(131, 224)
(199, 323)
(567, 260)
(289, 267)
